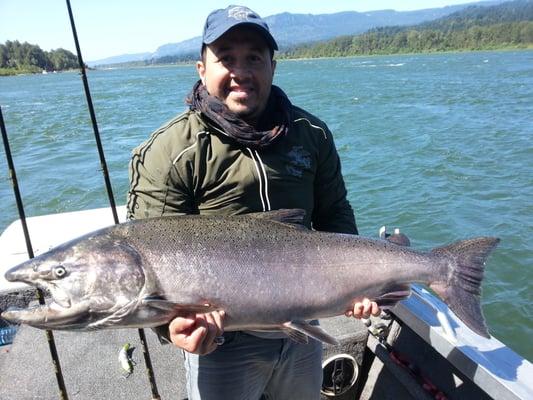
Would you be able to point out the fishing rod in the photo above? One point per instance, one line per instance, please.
(39, 294)
(142, 336)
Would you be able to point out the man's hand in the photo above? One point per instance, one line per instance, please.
(363, 309)
(196, 333)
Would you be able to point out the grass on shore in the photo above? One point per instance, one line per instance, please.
(20, 71)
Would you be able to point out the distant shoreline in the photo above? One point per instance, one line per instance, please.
(501, 49)
(17, 72)
(281, 58)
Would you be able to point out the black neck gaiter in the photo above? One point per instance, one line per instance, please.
(277, 117)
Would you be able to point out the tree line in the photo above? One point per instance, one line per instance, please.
(16, 57)
(382, 41)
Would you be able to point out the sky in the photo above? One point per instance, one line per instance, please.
(114, 27)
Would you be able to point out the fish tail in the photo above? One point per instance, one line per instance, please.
(462, 290)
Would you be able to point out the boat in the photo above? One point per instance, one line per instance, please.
(418, 350)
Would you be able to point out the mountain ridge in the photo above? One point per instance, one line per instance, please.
(291, 29)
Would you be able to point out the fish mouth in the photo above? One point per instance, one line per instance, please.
(58, 313)
(49, 316)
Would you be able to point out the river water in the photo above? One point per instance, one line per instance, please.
(439, 145)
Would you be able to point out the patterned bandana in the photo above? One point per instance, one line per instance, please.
(277, 117)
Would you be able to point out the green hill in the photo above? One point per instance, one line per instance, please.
(19, 58)
(508, 25)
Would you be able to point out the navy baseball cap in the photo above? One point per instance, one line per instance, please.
(221, 21)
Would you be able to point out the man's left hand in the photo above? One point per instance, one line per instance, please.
(363, 309)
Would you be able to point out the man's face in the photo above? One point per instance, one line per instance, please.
(238, 69)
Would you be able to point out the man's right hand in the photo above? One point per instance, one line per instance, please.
(196, 333)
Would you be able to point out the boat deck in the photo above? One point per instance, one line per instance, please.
(89, 361)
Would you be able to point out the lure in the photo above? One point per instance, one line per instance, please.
(125, 359)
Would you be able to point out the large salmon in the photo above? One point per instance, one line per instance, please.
(265, 270)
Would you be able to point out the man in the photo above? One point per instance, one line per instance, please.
(242, 147)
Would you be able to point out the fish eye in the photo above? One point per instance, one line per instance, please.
(59, 271)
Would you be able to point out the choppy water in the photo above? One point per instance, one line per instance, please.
(439, 145)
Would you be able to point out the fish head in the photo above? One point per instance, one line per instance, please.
(89, 280)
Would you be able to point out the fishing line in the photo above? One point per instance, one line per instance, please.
(142, 337)
(40, 296)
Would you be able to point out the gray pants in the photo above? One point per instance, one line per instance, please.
(247, 367)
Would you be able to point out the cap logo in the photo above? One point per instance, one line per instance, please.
(240, 13)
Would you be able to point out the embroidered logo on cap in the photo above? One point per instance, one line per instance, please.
(240, 13)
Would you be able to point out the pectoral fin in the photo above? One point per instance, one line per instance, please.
(393, 295)
(300, 330)
(167, 305)
(162, 334)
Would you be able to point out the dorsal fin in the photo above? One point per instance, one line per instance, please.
(291, 216)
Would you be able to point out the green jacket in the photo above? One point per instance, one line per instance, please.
(190, 166)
